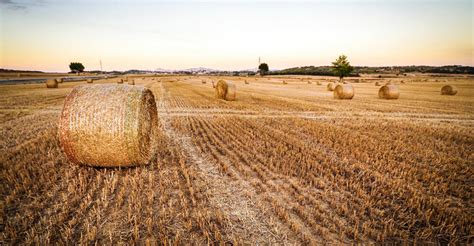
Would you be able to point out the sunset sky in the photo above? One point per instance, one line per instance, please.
(48, 35)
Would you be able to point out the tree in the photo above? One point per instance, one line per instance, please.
(263, 68)
(76, 67)
(342, 67)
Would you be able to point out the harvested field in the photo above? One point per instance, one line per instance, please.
(282, 164)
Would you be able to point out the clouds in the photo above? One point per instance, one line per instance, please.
(12, 5)
(20, 4)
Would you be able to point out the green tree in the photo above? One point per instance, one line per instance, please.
(263, 67)
(76, 67)
(342, 67)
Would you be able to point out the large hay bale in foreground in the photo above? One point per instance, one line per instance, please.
(449, 90)
(51, 83)
(344, 91)
(109, 125)
(389, 92)
(59, 80)
(331, 86)
(225, 90)
(90, 81)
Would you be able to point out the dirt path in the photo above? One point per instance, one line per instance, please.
(231, 196)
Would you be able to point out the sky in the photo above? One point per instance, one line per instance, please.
(231, 35)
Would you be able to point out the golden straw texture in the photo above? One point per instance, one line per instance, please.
(51, 83)
(344, 91)
(120, 81)
(226, 90)
(331, 86)
(449, 90)
(389, 92)
(90, 81)
(59, 80)
(109, 125)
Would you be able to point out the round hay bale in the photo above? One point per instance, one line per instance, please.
(131, 82)
(331, 86)
(377, 83)
(226, 90)
(344, 91)
(51, 83)
(107, 125)
(389, 92)
(213, 85)
(319, 83)
(309, 82)
(203, 81)
(449, 90)
(59, 80)
(285, 83)
(90, 81)
(246, 82)
(120, 81)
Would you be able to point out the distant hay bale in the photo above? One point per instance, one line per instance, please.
(59, 80)
(344, 91)
(246, 82)
(90, 81)
(284, 82)
(318, 83)
(120, 81)
(108, 125)
(213, 85)
(389, 92)
(225, 90)
(131, 82)
(309, 82)
(402, 82)
(331, 86)
(449, 90)
(51, 83)
(203, 81)
(377, 83)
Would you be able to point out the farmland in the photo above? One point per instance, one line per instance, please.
(285, 163)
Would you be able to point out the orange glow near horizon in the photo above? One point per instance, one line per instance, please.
(231, 36)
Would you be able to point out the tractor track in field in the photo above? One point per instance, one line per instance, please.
(226, 194)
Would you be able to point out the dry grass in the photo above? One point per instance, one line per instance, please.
(281, 165)
(389, 91)
(449, 90)
(51, 83)
(226, 90)
(109, 125)
(344, 91)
